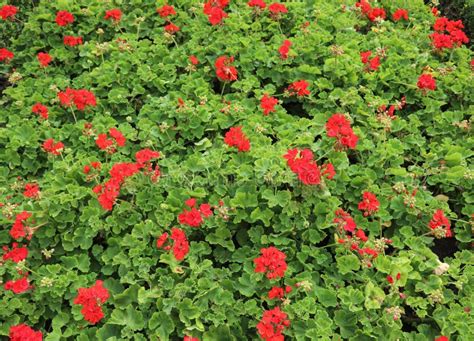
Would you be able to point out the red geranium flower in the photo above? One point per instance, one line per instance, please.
(41, 110)
(72, 41)
(257, 3)
(91, 300)
(31, 190)
(165, 11)
(180, 243)
(340, 128)
(64, 18)
(8, 12)
(344, 221)
(194, 60)
(44, 59)
(299, 88)
(113, 14)
(224, 70)
(369, 204)
(171, 28)
(52, 147)
(426, 82)
(145, 155)
(6, 55)
(16, 254)
(400, 14)
(272, 325)
(191, 218)
(22, 332)
(235, 137)
(18, 286)
(284, 49)
(267, 103)
(276, 9)
(439, 222)
(272, 262)
(376, 14)
(81, 98)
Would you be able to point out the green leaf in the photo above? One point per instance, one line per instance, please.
(131, 317)
(326, 297)
(348, 263)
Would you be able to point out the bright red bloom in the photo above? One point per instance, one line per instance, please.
(41, 110)
(104, 143)
(371, 64)
(44, 59)
(91, 300)
(72, 41)
(369, 204)
(374, 63)
(272, 262)
(93, 164)
(190, 338)
(328, 170)
(441, 41)
(400, 14)
(113, 14)
(459, 37)
(364, 6)
(215, 11)
(364, 56)
(6, 55)
(224, 70)
(19, 286)
(52, 147)
(31, 190)
(192, 218)
(301, 163)
(361, 235)
(81, 98)
(257, 3)
(161, 240)
(426, 82)
(64, 18)
(165, 11)
(145, 155)
(117, 136)
(277, 8)
(191, 202)
(442, 338)
(272, 325)
(340, 128)
(299, 88)
(205, 210)
(435, 11)
(389, 279)
(284, 49)
(194, 60)
(344, 221)
(16, 254)
(235, 137)
(7, 11)
(171, 28)
(180, 243)
(440, 222)
(276, 292)
(22, 332)
(267, 103)
(18, 229)
(376, 14)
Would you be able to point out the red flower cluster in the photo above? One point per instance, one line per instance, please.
(344, 221)
(194, 217)
(370, 64)
(440, 225)
(180, 245)
(194, 60)
(267, 103)
(54, 148)
(301, 163)
(442, 338)
(18, 286)
(224, 70)
(373, 14)
(113, 14)
(426, 82)
(299, 88)
(272, 262)
(272, 325)
(400, 14)
(72, 41)
(284, 49)
(235, 137)
(8, 12)
(6, 55)
(18, 229)
(64, 18)
(171, 28)
(339, 127)
(369, 204)
(91, 300)
(278, 292)
(31, 191)
(41, 110)
(448, 34)
(214, 9)
(276, 9)
(94, 164)
(166, 11)
(109, 145)
(22, 332)
(81, 98)
(44, 59)
(257, 3)
(190, 338)
(390, 112)
(15, 254)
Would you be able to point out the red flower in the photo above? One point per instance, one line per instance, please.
(22, 332)
(435, 11)
(191, 202)
(171, 28)
(299, 88)
(364, 6)
(194, 60)
(105, 144)
(236, 138)
(81, 98)
(284, 49)
(441, 41)
(145, 155)
(190, 338)
(272, 325)
(31, 191)
(426, 82)
(400, 14)
(8, 11)
(16, 254)
(361, 235)
(205, 210)
(257, 3)
(161, 240)
(64, 18)
(364, 56)
(376, 14)
(339, 127)
(113, 14)
(442, 338)
(344, 221)
(118, 137)
(215, 11)
(72, 41)
(371, 64)
(180, 243)
(6, 55)
(328, 170)
(44, 59)
(19, 286)
(441, 223)
(18, 229)
(277, 292)
(165, 11)
(369, 204)
(272, 262)
(277, 8)
(41, 110)
(192, 218)
(267, 103)
(91, 300)
(302, 164)
(52, 147)
(224, 70)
